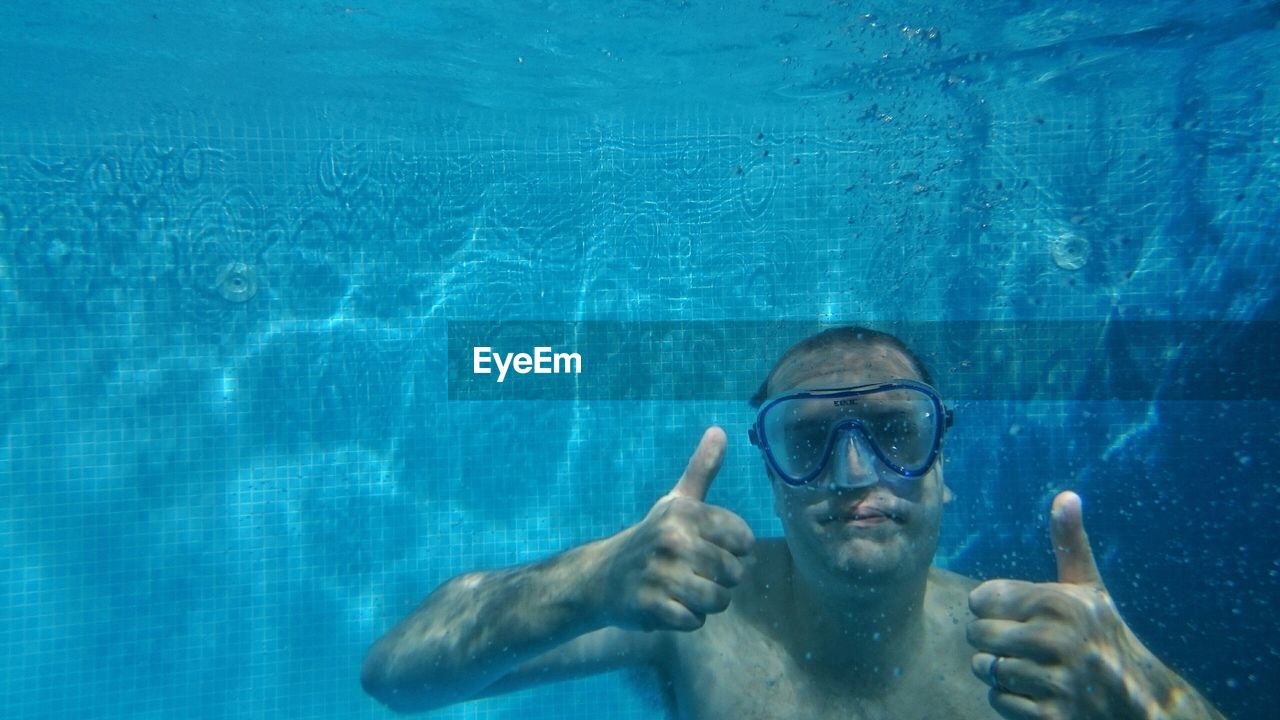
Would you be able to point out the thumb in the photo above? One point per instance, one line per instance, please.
(1070, 543)
(703, 466)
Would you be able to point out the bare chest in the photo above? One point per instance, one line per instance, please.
(741, 673)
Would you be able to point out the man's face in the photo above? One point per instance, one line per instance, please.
(881, 532)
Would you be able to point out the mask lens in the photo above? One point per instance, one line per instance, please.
(797, 433)
(901, 423)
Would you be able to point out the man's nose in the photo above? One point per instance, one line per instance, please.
(854, 465)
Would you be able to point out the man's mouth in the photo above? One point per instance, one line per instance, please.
(867, 515)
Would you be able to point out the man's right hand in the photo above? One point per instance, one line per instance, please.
(677, 565)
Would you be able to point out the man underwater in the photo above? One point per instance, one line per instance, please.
(843, 617)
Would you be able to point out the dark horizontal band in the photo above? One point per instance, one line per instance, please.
(1128, 360)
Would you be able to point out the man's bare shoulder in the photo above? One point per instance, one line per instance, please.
(738, 663)
(757, 609)
(949, 593)
(949, 587)
(947, 605)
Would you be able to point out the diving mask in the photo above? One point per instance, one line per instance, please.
(901, 421)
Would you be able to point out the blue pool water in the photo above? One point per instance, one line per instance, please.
(236, 242)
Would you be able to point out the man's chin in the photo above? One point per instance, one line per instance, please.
(867, 562)
(873, 553)
(878, 560)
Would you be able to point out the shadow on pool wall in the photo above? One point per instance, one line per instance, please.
(232, 460)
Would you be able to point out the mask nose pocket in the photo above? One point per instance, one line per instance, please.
(853, 462)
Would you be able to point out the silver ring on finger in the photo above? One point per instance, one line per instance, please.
(993, 672)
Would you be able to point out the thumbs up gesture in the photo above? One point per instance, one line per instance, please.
(678, 564)
(1061, 650)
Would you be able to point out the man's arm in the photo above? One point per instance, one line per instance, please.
(583, 611)
(489, 633)
(1166, 694)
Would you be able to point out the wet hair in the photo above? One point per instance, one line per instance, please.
(845, 338)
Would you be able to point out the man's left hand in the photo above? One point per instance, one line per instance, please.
(1061, 650)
